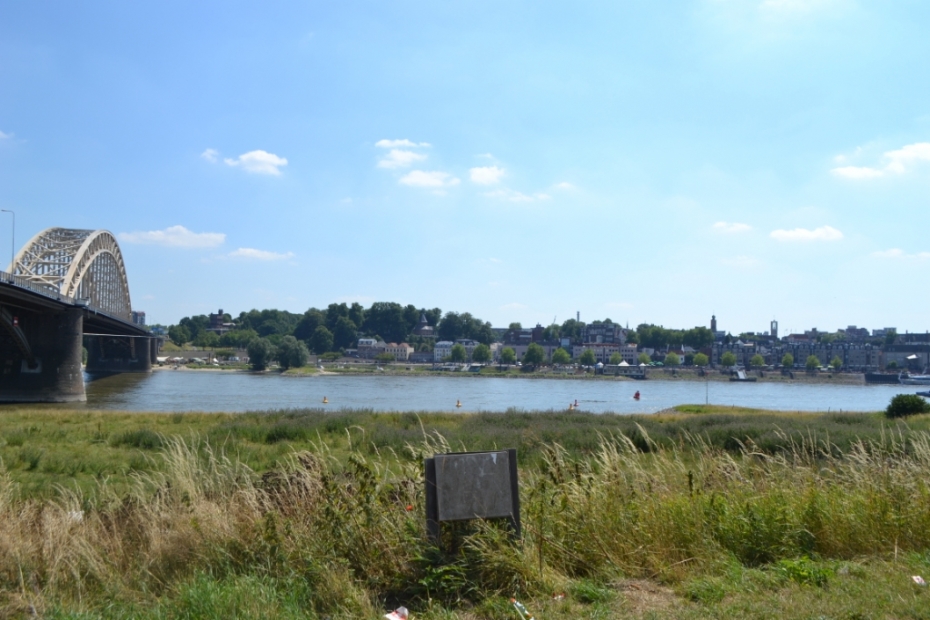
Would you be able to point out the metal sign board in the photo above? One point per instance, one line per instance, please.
(472, 485)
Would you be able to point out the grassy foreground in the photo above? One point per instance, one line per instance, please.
(695, 512)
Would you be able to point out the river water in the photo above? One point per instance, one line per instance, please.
(169, 390)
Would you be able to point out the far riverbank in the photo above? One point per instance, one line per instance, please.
(399, 369)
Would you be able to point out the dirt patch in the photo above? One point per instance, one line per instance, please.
(641, 597)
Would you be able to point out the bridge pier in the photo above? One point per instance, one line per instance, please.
(113, 354)
(40, 360)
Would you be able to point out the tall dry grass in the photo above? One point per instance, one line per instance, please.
(348, 536)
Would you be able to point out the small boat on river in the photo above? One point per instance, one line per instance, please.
(908, 379)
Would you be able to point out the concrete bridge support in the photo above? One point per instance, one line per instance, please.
(40, 356)
(113, 354)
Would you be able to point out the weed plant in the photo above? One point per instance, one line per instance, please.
(339, 533)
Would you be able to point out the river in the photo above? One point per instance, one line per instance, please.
(236, 392)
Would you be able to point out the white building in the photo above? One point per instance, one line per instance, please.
(442, 350)
(401, 352)
(604, 351)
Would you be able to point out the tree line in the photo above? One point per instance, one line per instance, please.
(335, 328)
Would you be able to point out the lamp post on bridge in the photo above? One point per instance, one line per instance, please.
(12, 241)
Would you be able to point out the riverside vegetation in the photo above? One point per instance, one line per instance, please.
(695, 512)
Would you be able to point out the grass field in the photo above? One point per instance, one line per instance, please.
(695, 512)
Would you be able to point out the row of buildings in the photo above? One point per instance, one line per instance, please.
(858, 350)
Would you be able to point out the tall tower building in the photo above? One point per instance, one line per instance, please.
(773, 329)
(713, 323)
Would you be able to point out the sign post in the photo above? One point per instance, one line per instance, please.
(472, 485)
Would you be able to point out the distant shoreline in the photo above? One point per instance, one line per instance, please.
(420, 370)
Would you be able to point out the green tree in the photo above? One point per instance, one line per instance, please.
(458, 353)
(481, 354)
(904, 405)
(698, 337)
(728, 360)
(836, 362)
(571, 329)
(292, 353)
(644, 358)
(892, 365)
(238, 338)
(179, 335)
(615, 358)
(451, 327)
(890, 336)
(345, 333)
(672, 359)
(787, 360)
(384, 358)
(206, 340)
(508, 355)
(322, 340)
(587, 358)
(757, 361)
(261, 352)
(552, 332)
(561, 357)
(387, 320)
(812, 363)
(700, 359)
(534, 355)
(195, 324)
(308, 323)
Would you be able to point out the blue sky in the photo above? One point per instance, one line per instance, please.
(641, 161)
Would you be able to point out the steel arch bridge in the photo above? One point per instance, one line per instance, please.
(85, 265)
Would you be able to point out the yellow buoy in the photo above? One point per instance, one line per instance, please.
(458, 403)
(325, 400)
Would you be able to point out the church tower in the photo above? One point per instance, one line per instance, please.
(713, 323)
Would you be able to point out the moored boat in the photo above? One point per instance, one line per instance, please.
(908, 379)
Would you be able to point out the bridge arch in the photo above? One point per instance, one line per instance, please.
(81, 264)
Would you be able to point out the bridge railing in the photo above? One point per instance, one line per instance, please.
(46, 291)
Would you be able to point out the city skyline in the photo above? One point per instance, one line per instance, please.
(749, 159)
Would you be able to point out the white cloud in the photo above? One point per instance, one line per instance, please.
(398, 158)
(898, 253)
(824, 233)
(857, 172)
(898, 161)
(515, 196)
(5, 136)
(210, 155)
(259, 162)
(564, 185)
(514, 306)
(265, 255)
(731, 227)
(174, 236)
(421, 178)
(391, 144)
(486, 175)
